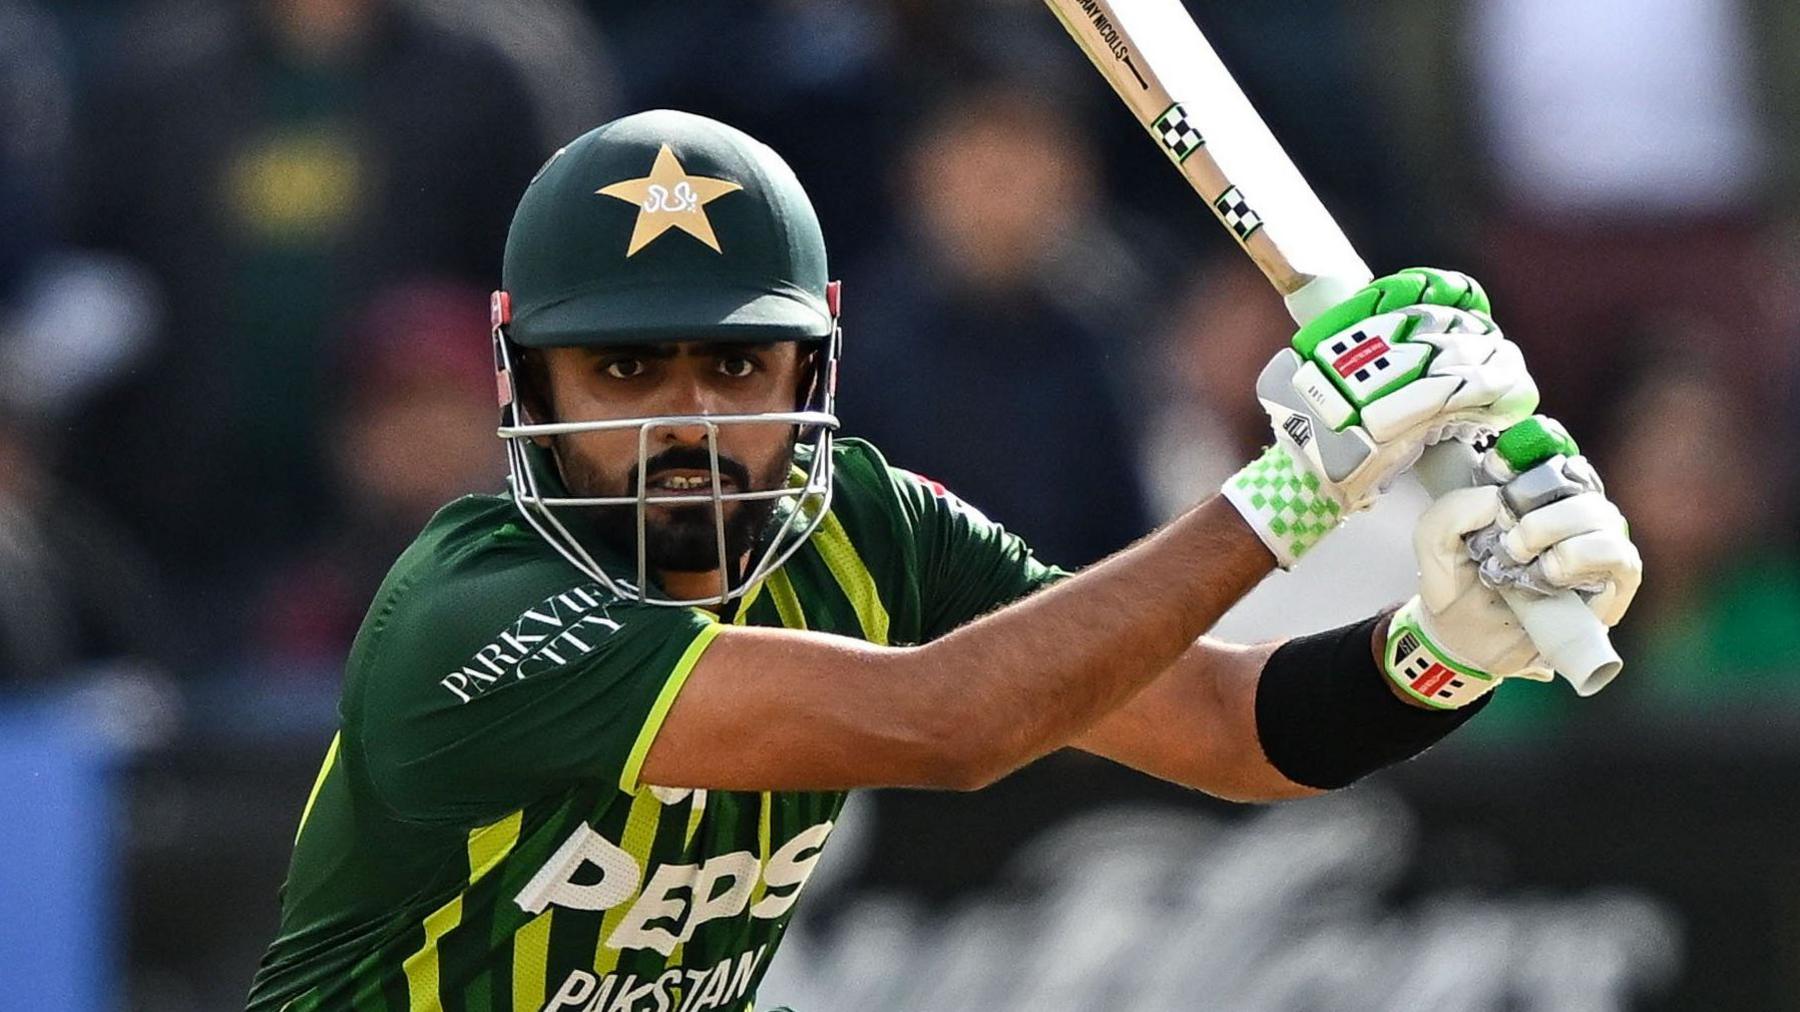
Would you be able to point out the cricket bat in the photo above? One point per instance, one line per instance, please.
(1156, 59)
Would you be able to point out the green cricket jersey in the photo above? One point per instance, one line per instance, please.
(478, 837)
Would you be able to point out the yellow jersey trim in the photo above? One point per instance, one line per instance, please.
(659, 711)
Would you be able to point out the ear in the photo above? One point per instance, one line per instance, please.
(810, 377)
(533, 382)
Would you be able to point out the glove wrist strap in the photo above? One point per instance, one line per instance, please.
(1283, 503)
(1423, 670)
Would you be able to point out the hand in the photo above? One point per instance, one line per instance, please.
(1411, 359)
(1540, 521)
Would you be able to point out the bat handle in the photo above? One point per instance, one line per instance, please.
(1570, 636)
(1321, 293)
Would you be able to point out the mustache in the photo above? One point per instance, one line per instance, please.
(692, 458)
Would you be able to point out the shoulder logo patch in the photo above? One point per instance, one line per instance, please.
(557, 630)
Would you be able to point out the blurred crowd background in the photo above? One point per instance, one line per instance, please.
(244, 255)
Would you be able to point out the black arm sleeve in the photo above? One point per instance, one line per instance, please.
(1326, 717)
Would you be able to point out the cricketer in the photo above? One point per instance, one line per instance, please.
(595, 731)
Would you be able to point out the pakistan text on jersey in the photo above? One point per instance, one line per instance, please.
(675, 990)
(559, 629)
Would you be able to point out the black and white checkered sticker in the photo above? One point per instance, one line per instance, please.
(1237, 213)
(1177, 132)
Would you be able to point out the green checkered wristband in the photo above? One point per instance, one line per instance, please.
(1422, 669)
(1283, 503)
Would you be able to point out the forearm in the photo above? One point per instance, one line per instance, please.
(1273, 721)
(1028, 678)
(811, 711)
(1195, 725)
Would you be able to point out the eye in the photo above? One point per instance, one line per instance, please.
(624, 368)
(737, 366)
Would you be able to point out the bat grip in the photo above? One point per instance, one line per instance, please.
(1321, 293)
(1571, 637)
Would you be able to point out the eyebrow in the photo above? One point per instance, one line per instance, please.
(666, 351)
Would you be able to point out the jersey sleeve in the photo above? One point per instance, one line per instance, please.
(469, 707)
(968, 565)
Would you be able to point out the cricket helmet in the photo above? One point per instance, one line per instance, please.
(654, 228)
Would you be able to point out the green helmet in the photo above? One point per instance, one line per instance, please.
(665, 226)
(658, 227)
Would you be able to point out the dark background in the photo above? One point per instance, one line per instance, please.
(244, 256)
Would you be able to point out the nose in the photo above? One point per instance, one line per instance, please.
(690, 395)
(679, 435)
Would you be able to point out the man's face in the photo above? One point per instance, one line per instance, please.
(687, 378)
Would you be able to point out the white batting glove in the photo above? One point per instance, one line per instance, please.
(1542, 522)
(1410, 360)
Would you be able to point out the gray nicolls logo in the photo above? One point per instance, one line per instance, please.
(1299, 427)
(549, 634)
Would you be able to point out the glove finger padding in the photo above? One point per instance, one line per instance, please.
(1538, 530)
(1462, 349)
(1578, 470)
(1407, 361)
(1501, 388)
(1444, 565)
(1412, 407)
(1561, 532)
(1602, 558)
(1614, 598)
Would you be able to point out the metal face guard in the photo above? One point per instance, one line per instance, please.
(807, 497)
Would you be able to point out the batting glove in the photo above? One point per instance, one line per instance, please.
(1540, 521)
(1411, 359)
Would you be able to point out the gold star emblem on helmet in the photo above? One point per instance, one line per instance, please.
(670, 198)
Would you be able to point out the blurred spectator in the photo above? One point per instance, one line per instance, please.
(1625, 160)
(1635, 110)
(412, 429)
(827, 87)
(34, 136)
(986, 351)
(77, 592)
(560, 56)
(273, 162)
(70, 320)
(1220, 330)
(1718, 620)
(76, 321)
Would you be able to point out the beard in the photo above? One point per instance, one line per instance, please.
(683, 538)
